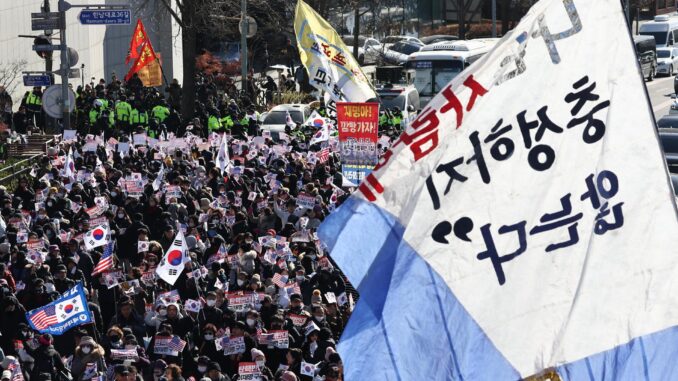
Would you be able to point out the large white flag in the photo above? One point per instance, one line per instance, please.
(158, 179)
(69, 165)
(222, 160)
(524, 221)
(172, 264)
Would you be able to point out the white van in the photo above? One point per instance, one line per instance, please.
(436, 65)
(664, 29)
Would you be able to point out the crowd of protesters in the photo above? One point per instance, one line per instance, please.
(257, 273)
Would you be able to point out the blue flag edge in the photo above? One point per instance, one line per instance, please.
(404, 303)
(80, 293)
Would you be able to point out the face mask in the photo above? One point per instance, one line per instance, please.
(209, 337)
(202, 369)
(312, 256)
(240, 282)
(261, 364)
(130, 346)
(114, 194)
(86, 350)
(249, 241)
(49, 287)
(313, 346)
(50, 204)
(41, 216)
(251, 322)
(211, 302)
(320, 318)
(300, 278)
(163, 312)
(73, 270)
(120, 215)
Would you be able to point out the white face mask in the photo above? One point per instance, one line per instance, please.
(240, 282)
(261, 364)
(313, 346)
(86, 350)
(251, 322)
(209, 337)
(320, 318)
(49, 287)
(211, 302)
(163, 312)
(202, 369)
(300, 278)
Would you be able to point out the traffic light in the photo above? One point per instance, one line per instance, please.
(43, 40)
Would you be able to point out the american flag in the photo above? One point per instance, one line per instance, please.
(15, 368)
(106, 261)
(279, 280)
(324, 155)
(176, 344)
(45, 317)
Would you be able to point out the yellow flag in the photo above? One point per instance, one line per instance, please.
(330, 64)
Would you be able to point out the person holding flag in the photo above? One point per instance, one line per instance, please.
(68, 311)
(172, 264)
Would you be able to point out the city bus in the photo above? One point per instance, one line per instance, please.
(435, 65)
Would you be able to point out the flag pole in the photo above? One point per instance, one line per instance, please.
(162, 71)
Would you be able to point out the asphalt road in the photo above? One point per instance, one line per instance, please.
(660, 91)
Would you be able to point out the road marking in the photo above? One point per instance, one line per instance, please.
(660, 106)
(658, 82)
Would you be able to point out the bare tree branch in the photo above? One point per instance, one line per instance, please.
(175, 16)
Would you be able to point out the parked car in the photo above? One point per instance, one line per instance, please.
(369, 49)
(400, 51)
(668, 121)
(428, 40)
(276, 119)
(646, 50)
(668, 137)
(390, 40)
(667, 61)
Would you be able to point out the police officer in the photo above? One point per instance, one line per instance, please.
(160, 112)
(214, 122)
(138, 117)
(123, 111)
(33, 102)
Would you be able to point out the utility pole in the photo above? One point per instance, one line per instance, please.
(48, 59)
(494, 18)
(65, 67)
(244, 29)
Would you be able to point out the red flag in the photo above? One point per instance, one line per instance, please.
(138, 39)
(147, 56)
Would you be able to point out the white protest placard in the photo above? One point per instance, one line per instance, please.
(233, 345)
(305, 201)
(248, 371)
(70, 135)
(139, 139)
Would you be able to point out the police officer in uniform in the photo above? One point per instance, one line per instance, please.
(33, 102)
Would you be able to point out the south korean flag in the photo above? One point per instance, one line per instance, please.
(98, 236)
(172, 264)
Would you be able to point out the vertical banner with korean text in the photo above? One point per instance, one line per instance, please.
(358, 125)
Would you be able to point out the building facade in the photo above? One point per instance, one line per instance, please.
(101, 49)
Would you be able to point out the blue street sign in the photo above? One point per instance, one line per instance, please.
(37, 80)
(105, 17)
